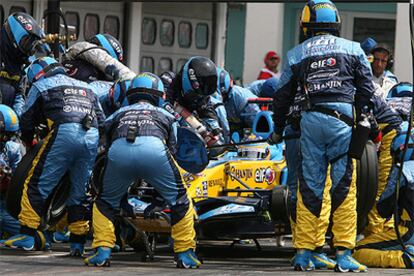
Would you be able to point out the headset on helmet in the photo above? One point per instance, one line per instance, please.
(9, 122)
(320, 16)
(146, 86)
(397, 146)
(43, 67)
(402, 89)
(199, 77)
(24, 32)
(385, 49)
(117, 93)
(110, 44)
(224, 82)
(167, 79)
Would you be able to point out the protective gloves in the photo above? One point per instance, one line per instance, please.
(275, 138)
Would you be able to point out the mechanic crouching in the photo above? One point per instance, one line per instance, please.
(190, 93)
(384, 249)
(141, 143)
(71, 111)
(10, 156)
(318, 70)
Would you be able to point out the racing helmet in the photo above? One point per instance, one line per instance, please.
(398, 143)
(24, 32)
(43, 67)
(402, 89)
(199, 77)
(146, 86)
(320, 16)
(110, 44)
(167, 78)
(117, 93)
(224, 82)
(9, 122)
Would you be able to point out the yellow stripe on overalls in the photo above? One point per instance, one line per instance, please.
(28, 216)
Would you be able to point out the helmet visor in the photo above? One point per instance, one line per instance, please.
(208, 85)
(28, 44)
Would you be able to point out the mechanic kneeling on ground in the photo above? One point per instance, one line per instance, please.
(328, 96)
(10, 156)
(141, 140)
(383, 249)
(71, 111)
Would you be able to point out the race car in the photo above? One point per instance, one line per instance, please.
(241, 195)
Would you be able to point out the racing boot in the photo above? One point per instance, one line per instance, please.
(60, 237)
(100, 258)
(23, 241)
(187, 259)
(345, 262)
(76, 249)
(302, 260)
(321, 261)
(408, 256)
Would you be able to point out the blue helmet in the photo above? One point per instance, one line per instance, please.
(117, 94)
(368, 45)
(9, 122)
(146, 86)
(402, 89)
(398, 143)
(43, 67)
(24, 32)
(110, 44)
(199, 77)
(224, 82)
(320, 16)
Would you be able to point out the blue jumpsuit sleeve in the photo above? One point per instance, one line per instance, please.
(224, 123)
(249, 110)
(14, 154)
(30, 117)
(363, 81)
(283, 98)
(18, 104)
(172, 138)
(100, 116)
(222, 117)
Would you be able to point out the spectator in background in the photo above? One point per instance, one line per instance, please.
(271, 61)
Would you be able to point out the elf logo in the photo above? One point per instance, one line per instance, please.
(323, 63)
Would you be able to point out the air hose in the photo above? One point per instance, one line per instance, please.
(407, 139)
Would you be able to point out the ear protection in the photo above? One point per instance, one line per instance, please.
(190, 81)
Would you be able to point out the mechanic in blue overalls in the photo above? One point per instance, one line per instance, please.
(80, 69)
(318, 70)
(71, 111)
(192, 88)
(116, 98)
(240, 113)
(141, 144)
(10, 156)
(383, 249)
(19, 39)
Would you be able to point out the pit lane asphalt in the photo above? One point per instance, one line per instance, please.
(219, 259)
